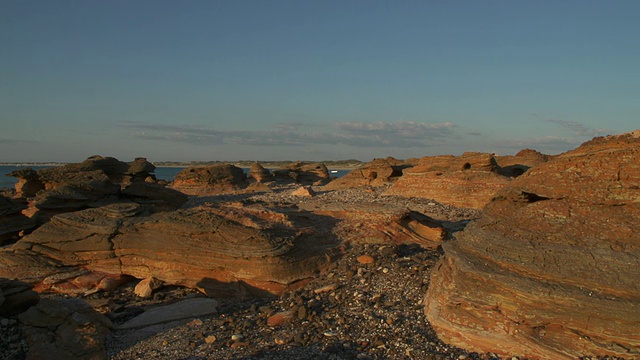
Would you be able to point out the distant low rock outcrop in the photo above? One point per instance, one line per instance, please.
(514, 166)
(469, 181)
(210, 180)
(93, 182)
(376, 173)
(550, 269)
(303, 173)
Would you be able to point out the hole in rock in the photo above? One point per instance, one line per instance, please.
(531, 197)
(466, 166)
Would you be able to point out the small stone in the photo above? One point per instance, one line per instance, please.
(280, 318)
(326, 288)
(237, 337)
(280, 341)
(194, 322)
(330, 333)
(236, 345)
(165, 343)
(365, 259)
(302, 313)
(210, 339)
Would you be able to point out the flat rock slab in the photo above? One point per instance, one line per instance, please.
(185, 309)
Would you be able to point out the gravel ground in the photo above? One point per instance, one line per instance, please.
(355, 311)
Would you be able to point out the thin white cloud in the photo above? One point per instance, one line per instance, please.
(577, 128)
(404, 134)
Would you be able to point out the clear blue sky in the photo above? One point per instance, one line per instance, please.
(312, 80)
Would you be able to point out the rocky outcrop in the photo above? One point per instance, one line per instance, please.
(376, 173)
(550, 269)
(210, 180)
(95, 181)
(223, 251)
(64, 329)
(514, 166)
(12, 221)
(258, 173)
(469, 181)
(16, 297)
(303, 173)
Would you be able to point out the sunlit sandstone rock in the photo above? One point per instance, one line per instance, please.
(551, 268)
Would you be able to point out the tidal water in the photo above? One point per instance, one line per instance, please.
(164, 173)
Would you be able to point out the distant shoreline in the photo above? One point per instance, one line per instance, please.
(333, 165)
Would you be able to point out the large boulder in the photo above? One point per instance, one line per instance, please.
(221, 250)
(210, 179)
(303, 173)
(64, 329)
(376, 173)
(258, 173)
(93, 182)
(551, 268)
(469, 181)
(518, 164)
(12, 221)
(16, 296)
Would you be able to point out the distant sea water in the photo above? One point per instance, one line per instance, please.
(164, 173)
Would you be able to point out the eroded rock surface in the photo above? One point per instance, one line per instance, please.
(514, 166)
(210, 180)
(550, 269)
(64, 329)
(469, 181)
(378, 172)
(12, 220)
(303, 173)
(94, 182)
(231, 251)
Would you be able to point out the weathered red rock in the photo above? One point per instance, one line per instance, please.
(259, 173)
(304, 191)
(98, 179)
(376, 173)
(469, 181)
(550, 269)
(378, 223)
(304, 173)
(64, 329)
(12, 221)
(210, 180)
(518, 164)
(223, 251)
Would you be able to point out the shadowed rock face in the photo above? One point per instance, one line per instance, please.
(469, 181)
(303, 173)
(96, 180)
(550, 269)
(210, 180)
(514, 166)
(12, 221)
(376, 173)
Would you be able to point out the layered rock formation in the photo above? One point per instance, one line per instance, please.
(232, 251)
(469, 181)
(210, 180)
(303, 173)
(376, 173)
(258, 173)
(550, 269)
(95, 181)
(514, 166)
